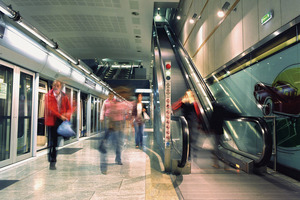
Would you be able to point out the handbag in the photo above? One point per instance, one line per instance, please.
(146, 116)
(65, 129)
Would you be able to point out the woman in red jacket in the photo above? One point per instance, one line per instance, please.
(191, 112)
(57, 110)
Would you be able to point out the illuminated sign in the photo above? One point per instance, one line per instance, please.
(267, 17)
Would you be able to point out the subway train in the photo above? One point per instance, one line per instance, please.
(28, 69)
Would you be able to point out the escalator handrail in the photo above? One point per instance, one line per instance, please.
(159, 53)
(185, 139)
(190, 81)
(267, 140)
(267, 137)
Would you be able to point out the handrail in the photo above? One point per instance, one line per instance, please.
(185, 139)
(204, 101)
(207, 90)
(267, 140)
(159, 53)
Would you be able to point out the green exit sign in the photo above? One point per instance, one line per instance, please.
(267, 17)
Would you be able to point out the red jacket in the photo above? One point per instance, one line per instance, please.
(51, 109)
(176, 105)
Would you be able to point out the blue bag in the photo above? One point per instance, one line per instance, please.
(65, 129)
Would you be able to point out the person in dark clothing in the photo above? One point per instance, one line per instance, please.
(57, 110)
(220, 113)
(138, 111)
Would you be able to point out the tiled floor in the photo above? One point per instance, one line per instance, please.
(206, 182)
(78, 176)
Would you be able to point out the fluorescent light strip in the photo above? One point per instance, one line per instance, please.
(65, 54)
(143, 90)
(84, 69)
(6, 10)
(95, 77)
(35, 32)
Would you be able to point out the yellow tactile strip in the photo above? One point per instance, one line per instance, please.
(158, 184)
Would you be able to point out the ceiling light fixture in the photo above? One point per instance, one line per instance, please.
(178, 17)
(8, 11)
(36, 33)
(95, 77)
(158, 17)
(67, 56)
(192, 20)
(221, 13)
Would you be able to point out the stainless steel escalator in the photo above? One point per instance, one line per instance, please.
(246, 142)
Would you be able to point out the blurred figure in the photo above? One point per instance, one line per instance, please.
(126, 93)
(220, 113)
(113, 113)
(107, 107)
(106, 110)
(57, 110)
(191, 112)
(138, 120)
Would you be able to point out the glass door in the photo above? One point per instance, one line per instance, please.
(92, 115)
(6, 90)
(25, 115)
(83, 114)
(42, 130)
(69, 93)
(75, 113)
(16, 113)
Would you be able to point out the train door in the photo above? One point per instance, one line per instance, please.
(92, 114)
(6, 96)
(42, 130)
(74, 119)
(73, 101)
(83, 114)
(16, 113)
(25, 114)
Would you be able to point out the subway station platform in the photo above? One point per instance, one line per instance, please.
(78, 175)
(141, 176)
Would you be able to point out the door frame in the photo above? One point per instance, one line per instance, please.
(15, 115)
(30, 153)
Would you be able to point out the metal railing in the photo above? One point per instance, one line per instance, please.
(184, 140)
(263, 133)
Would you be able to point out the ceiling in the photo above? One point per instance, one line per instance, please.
(99, 30)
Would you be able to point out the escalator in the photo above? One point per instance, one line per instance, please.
(246, 142)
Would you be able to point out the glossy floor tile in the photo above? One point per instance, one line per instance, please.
(78, 176)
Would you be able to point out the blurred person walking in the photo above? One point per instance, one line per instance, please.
(113, 113)
(191, 112)
(106, 110)
(105, 119)
(220, 113)
(57, 110)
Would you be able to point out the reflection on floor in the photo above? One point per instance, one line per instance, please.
(207, 182)
(78, 175)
